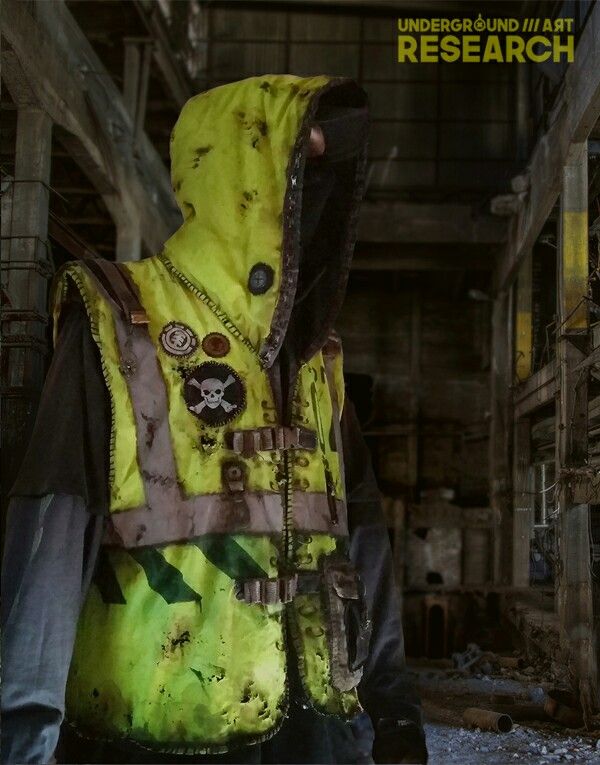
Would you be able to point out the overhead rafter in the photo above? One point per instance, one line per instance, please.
(405, 256)
(170, 68)
(71, 84)
(428, 224)
(380, 7)
(572, 119)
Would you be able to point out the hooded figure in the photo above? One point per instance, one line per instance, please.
(207, 475)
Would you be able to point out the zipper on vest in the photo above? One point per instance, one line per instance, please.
(330, 488)
(288, 504)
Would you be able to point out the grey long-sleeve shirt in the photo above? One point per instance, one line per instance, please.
(51, 547)
(54, 527)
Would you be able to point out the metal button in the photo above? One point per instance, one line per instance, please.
(261, 278)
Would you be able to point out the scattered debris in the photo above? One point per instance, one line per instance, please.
(562, 706)
(446, 695)
(486, 719)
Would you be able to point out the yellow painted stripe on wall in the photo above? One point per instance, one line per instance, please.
(575, 269)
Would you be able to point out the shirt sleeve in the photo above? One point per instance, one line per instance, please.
(386, 690)
(54, 525)
(68, 452)
(50, 552)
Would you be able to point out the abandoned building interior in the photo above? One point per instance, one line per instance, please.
(471, 327)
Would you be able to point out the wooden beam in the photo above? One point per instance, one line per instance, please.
(129, 238)
(173, 73)
(537, 391)
(414, 404)
(501, 437)
(370, 7)
(523, 321)
(574, 256)
(131, 75)
(575, 112)
(421, 261)
(408, 256)
(25, 316)
(574, 585)
(522, 504)
(428, 223)
(71, 84)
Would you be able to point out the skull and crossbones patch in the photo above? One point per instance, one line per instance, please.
(214, 392)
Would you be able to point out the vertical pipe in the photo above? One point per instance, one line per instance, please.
(544, 513)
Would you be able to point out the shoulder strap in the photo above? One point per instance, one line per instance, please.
(120, 288)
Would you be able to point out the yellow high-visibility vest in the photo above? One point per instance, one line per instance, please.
(224, 557)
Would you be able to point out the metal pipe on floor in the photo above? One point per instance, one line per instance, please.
(487, 720)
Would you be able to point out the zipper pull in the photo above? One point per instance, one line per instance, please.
(331, 498)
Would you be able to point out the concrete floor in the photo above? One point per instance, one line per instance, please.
(444, 699)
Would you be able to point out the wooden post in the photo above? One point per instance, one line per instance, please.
(26, 316)
(129, 237)
(500, 437)
(131, 74)
(574, 585)
(522, 111)
(522, 504)
(523, 333)
(414, 438)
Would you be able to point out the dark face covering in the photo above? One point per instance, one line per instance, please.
(343, 129)
(331, 190)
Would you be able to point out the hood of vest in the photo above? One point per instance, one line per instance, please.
(238, 158)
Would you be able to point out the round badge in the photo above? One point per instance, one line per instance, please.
(214, 393)
(178, 339)
(215, 344)
(261, 278)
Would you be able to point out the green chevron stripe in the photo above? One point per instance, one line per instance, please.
(164, 578)
(106, 580)
(230, 557)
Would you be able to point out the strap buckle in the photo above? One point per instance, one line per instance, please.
(268, 592)
(270, 438)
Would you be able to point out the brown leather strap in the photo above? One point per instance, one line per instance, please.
(267, 439)
(117, 282)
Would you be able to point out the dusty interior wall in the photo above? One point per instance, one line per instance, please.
(422, 340)
(432, 376)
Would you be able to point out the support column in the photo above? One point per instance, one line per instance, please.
(414, 438)
(523, 328)
(522, 504)
(28, 272)
(574, 585)
(500, 437)
(129, 238)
